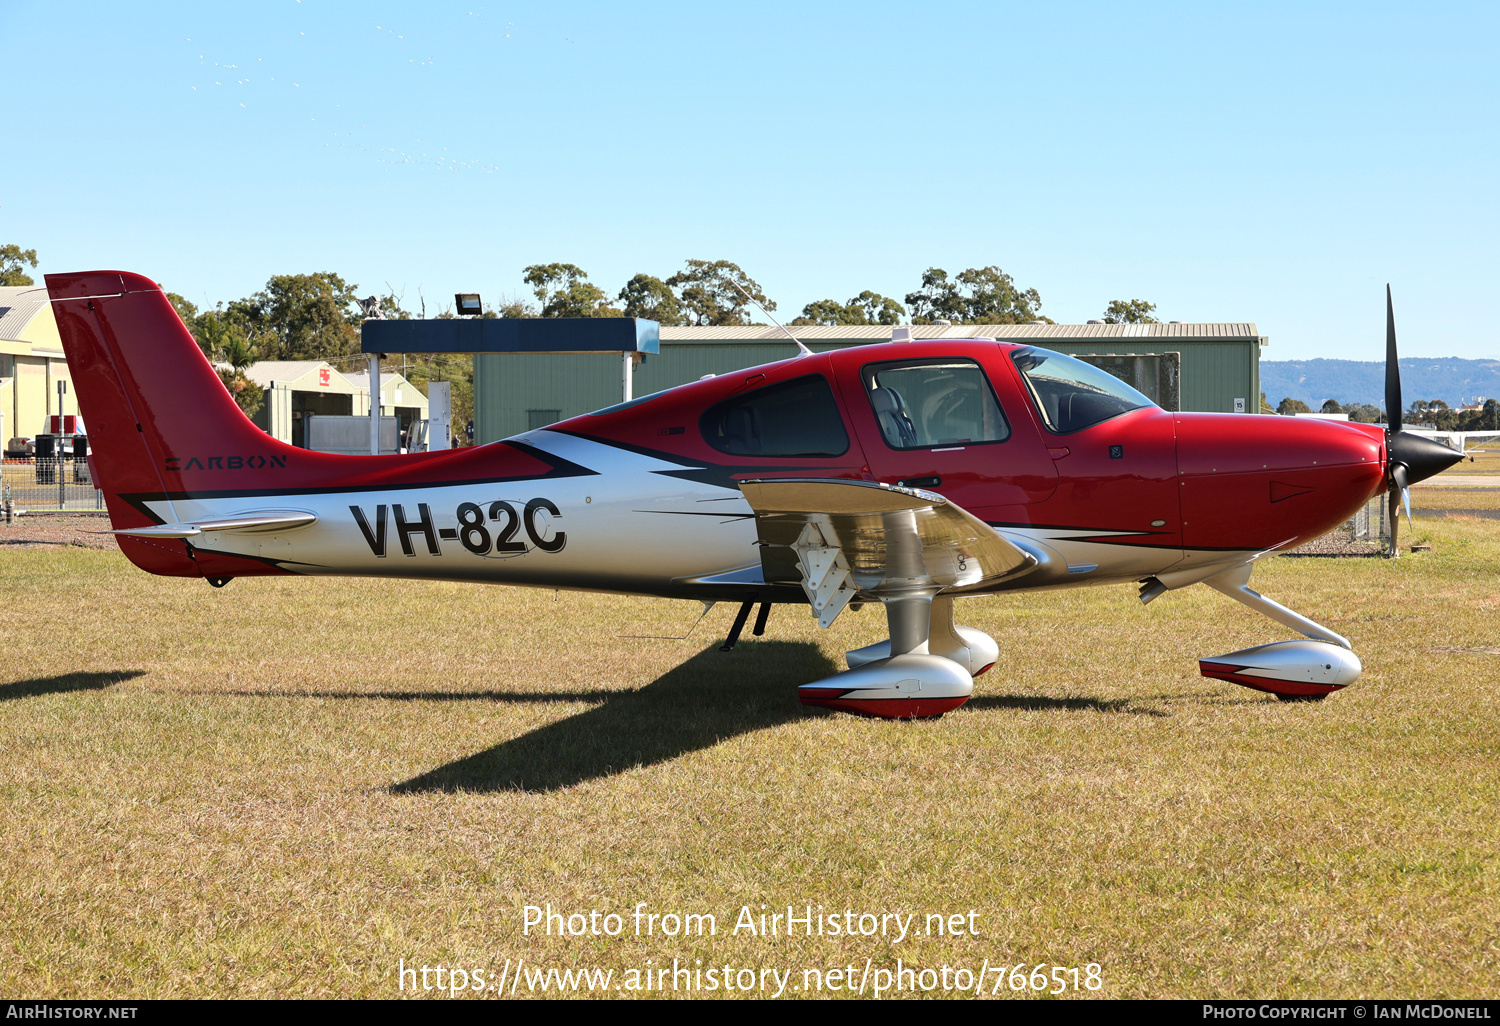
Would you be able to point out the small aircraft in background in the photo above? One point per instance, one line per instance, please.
(910, 474)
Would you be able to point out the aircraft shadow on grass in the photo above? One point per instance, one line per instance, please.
(64, 683)
(708, 699)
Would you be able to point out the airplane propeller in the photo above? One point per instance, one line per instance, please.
(1409, 458)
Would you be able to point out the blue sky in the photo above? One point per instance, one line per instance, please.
(1274, 163)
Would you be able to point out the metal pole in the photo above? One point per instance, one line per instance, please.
(62, 495)
(374, 404)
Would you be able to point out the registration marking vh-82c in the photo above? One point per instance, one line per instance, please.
(472, 531)
(912, 474)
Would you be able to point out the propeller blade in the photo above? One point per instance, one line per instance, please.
(1393, 405)
(1393, 517)
(1409, 458)
(1406, 498)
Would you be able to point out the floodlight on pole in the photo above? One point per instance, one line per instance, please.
(468, 304)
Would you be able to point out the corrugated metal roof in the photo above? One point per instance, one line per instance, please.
(1227, 330)
(19, 305)
(286, 371)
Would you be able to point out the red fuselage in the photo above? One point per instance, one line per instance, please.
(1203, 481)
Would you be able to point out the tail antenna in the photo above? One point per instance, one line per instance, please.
(802, 350)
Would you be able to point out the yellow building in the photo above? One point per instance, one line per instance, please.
(31, 364)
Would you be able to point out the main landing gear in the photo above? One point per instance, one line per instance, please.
(925, 668)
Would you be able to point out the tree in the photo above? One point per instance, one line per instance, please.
(300, 317)
(564, 290)
(514, 308)
(1365, 413)
(187, 311)
(708, 298)
(827, 311)
(455, 368)
(223, 342)
(866, 308)
(645, 296)
(1291, 407)
(1435, 412)
(1265, 404)
(12, 259)
(984, 295)
(227, 342)
(248, 396)
(390, 305)
(878, 309)
(1130, 311)
(1332, 406)
(1429, 411)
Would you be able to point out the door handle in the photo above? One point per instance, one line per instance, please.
(930, 481)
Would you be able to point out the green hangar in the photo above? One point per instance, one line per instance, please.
(1200, 367)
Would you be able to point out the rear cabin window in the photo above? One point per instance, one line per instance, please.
(928, 404)
(793, 418)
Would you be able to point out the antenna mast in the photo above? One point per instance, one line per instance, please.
(802, 350)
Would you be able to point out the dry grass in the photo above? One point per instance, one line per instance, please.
(283, 787)
(1487, 462)
(1425, 496)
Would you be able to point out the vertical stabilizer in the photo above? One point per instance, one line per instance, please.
(160, 421)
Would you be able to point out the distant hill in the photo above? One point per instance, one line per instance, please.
(1357, 381)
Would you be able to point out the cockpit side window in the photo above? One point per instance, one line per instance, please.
(927, 404)
(794, 418)
(1070, 394)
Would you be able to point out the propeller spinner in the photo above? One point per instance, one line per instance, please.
(1409, 458)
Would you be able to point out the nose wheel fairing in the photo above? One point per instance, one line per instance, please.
(1287, 669)
(1300, 669)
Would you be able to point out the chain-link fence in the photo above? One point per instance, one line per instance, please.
(48, 483)
(1367, 533)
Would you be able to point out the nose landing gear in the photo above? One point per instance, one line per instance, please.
(1293, 671)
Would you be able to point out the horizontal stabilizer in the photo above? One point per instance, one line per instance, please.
(275, 520)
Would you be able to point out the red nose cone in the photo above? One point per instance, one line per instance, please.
(1263, 482)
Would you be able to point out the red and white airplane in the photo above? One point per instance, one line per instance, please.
(909, 474)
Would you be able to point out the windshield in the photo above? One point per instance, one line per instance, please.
(1071, 394)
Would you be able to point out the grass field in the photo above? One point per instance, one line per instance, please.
(285, 787)
(1434, 496)
(1485, 462)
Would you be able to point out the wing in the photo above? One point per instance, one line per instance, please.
(845, 539)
